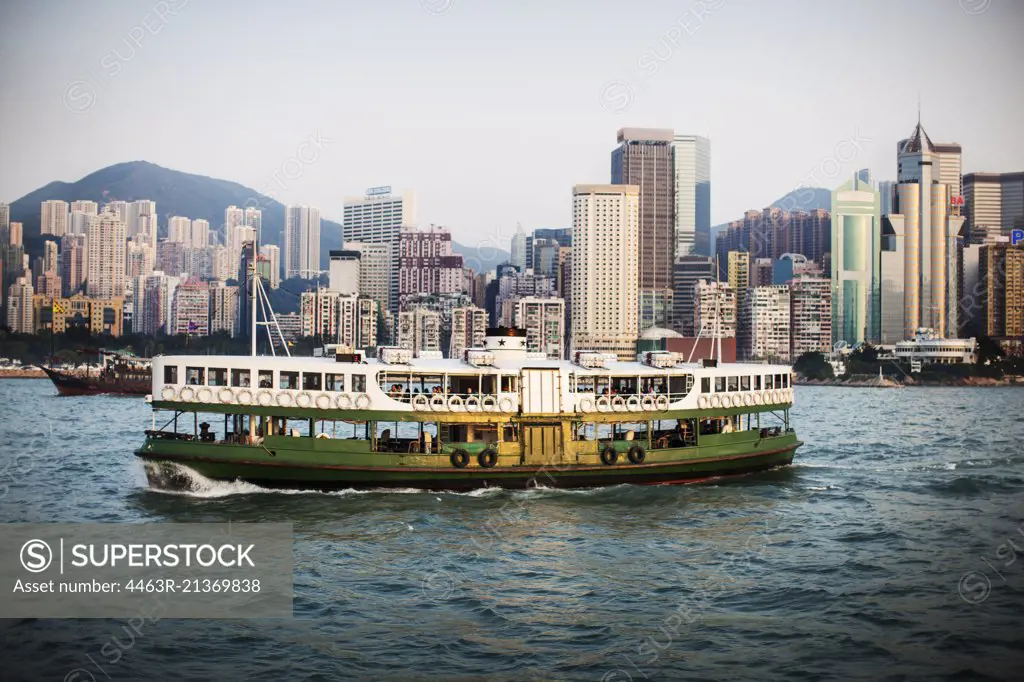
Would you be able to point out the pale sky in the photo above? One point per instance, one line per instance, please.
(492, 110)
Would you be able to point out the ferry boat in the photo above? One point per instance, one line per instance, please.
(499, 416)
(119, 373)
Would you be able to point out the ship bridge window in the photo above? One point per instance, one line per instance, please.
(359, 383)
(705, 384)
(745, 383)
(241, 378)
(218, 376)
(311, 381)
(734, 383)
(719, 384)
(334, 382)
(508, 383)
(194, 375)
(170, 374)
(289, 380)
(266, 378)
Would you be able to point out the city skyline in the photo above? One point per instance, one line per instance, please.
(644, 79)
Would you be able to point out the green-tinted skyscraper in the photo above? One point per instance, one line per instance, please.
(856, 263)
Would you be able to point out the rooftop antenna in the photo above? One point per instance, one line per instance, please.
(919, 109)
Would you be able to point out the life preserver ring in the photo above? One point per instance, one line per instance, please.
(244, 397)
(284, 399)
(748, 399)
(766, 396)
(716, 401)
(304, 399)
(648, 403)
(726, 400)
(609, 456)
(187, 394)
(758, 400)
(637, 454)
(633, 403)
(225, 395)
(343, 402)
(437, 402)
(487, 459)
(472, 404)
(489, 403)
(204, 395)
(265, 398)
(586, 405)
(604, 404)
(702, 402)
(459, 459)
(776, 396)
(362, 401)
(662, 443)
(414, 447)
(420, 402)
(455, 403)
(661, 402)
(323, 402)
(168, 393)
(505, 405)
(618, 403)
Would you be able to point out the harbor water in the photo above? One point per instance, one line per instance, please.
(888, 551)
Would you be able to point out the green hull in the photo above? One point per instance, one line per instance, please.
(322, 464)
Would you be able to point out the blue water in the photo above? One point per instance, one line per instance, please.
(875, 557)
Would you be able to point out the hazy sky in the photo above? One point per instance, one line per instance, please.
(491, 110)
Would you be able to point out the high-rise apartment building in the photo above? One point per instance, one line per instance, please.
(190, 309)
(200, 233)
(606, 289)
(692, 164)
(378, 218)
(773, 232)
(272, 253)
(319, 312)
(419, 330)
(15, 234)
(544, 322)
(469, 327)
(253, 217)
(810, 306)
(302, 242)
(106, 247)
(714, 309)
(343, 270)
(645, 159)
(73, 263)
(19, 306)
(517, 250)
(5, 222)
(142, 219)
(374, 271)
(892, 263)
(179, 230)
(1001, 288)
(78, 219)
(856, 263)
(928, 176)
(550, 236)
(223, 308)
(427, 264)
(764, 330)
(993, 204)
(53, 218)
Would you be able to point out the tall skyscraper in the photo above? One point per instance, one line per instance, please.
(190, 309)
(692, 195)
(886, 196)
(19, 306)
(253, 217)
(687, 271)
(469, 327)
(5, 221)
(378, 218)
(200, 233)
(73, 263)
(15, 234)
(272, 253)
(605, 281)
(301, 242)
(1001, 275)
(518, 248)
(856, 263)
(926, 175)
(54, 218)
(993, 204)
(137, 210)
(106, 247)
(223, 308)
(179, 229)
(644, 158)
(78, 220)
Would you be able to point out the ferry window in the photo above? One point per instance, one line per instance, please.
(334, 382)
(785, 380)
(194, 376)
(359, 383)
(734, 383)
(218, 377)
(311, 381)
(289, 380)
(719, 384)
(769, 383)
(508, 383)
(680, 385)
(705, 384)
(584, 384)
(488, 384)
(241, 377)
(757, 382)
(171, 374)
(778, 381)
(266, 378)
(745, 383)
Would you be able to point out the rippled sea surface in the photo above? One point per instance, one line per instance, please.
(888, 551)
